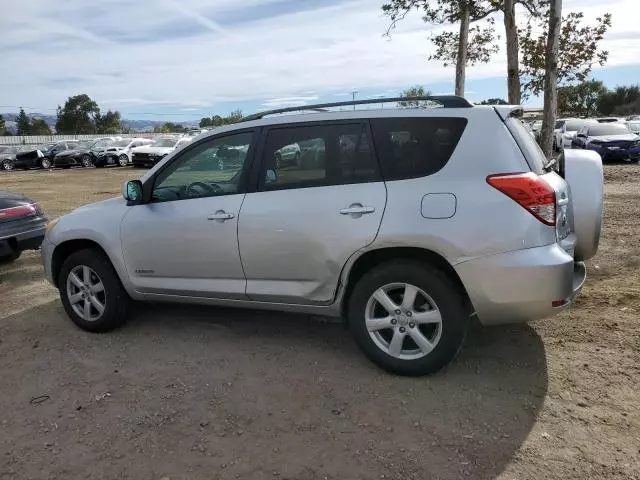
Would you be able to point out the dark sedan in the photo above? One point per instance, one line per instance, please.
(82, 154)
(613, 141)
(41, 156)
(22, 225)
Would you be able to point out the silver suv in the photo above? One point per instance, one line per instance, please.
(404, 222)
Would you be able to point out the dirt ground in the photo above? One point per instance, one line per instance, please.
(195, 393)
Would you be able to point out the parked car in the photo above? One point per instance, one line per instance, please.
(407, 235)
(149, 155)
(119, 152)
(7, 157)
(22, 225)
(612, 141)
(82, 153)
(634, 126)
(609, 120)
(569, 129)
(557, 131)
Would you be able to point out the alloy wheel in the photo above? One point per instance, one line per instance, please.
(45, 163)
(403, 321)
(86, 161)
(123, 160)
(7, 165)
(86, 293)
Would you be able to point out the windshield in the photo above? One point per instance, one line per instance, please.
(122, 143)
(8, 149)
(165, 142)
(84, 145)
(575, 125)
(608, 129)
(635, 126)
(559, 124)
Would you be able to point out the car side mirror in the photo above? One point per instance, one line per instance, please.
(270, 177)
(132, 192)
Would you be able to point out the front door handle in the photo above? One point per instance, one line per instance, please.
(221, 216)
(357, 210)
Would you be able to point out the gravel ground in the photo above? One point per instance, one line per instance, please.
(189, 393)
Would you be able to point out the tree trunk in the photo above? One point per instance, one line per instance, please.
(463, 44)
(511, 35)
(551, 78)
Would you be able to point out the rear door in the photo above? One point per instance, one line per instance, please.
(311, 212)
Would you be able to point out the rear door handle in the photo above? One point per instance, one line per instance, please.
(357, 209)
(221, 216)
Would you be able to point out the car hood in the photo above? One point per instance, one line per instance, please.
(615, 138)
(115, 202)
(154, 150)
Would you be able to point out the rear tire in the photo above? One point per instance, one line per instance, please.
(387, 337)
(123, 160)
(10, 258)
(7, 165)
(86, 161)
(90, 273)
(45, 163)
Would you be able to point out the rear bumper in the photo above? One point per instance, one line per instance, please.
(523, 285)
(30, 239)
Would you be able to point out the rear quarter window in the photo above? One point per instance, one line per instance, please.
(415, 147)
(527, 144)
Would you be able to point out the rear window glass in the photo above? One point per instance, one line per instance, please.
(415, 147)
(529, 147)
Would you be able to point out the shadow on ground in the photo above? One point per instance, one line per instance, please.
(188, 392)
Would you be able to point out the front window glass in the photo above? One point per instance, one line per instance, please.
(210, 169)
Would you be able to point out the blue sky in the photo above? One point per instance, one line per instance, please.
(183, 59)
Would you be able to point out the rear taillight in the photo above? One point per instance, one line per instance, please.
(530, 191)
(20, 212)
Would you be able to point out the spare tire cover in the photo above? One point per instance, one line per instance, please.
(583, 173)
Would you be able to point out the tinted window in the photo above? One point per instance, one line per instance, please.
(527, 144)
(415, 147)
(608, 129)
(212, 168)
(559, 124)
(310, 156)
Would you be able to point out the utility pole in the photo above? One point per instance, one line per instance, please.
(353, 97)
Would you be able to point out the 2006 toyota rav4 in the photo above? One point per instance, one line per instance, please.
(405, 222)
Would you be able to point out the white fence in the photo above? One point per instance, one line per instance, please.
(38, 139)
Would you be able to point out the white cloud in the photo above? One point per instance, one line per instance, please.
(181, 53)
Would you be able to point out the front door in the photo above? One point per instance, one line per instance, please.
(320, 198)
(184, 241)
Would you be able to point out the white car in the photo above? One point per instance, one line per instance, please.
(149, 155)
(567, 133)
(119, 152)
(634, 126)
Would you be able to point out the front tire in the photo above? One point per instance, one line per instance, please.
(123, 160)
(91, 292)
(7, 165)
(408, 317)
(45, 163)
(86, 161)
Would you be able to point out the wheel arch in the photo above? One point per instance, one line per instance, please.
(69, 247)
(372, 258)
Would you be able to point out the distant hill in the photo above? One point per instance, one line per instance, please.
(139, 125)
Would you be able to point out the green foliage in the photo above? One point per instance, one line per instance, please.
(493, 101)
(579, 51)
(218, 121)
(24, 125)
(77, 116)
(39, 127)
(480, 49)
(170, 127)
(108, 123)
(2, 125)
(623, 100)
(580, 100)
(416, 91)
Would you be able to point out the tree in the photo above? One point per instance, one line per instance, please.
(462, 48)
(2, 125)
(77, 116)
(108, 123)
(577, 54)
(217, 121)
(39, 127)
(622, 100)
(24, 125)
(580, 100)
(551, 77)
(415, 91)
(169, 127)
(494, 101)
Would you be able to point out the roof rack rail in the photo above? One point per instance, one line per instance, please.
(446, 101)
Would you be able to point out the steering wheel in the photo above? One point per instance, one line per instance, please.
(198, 189)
